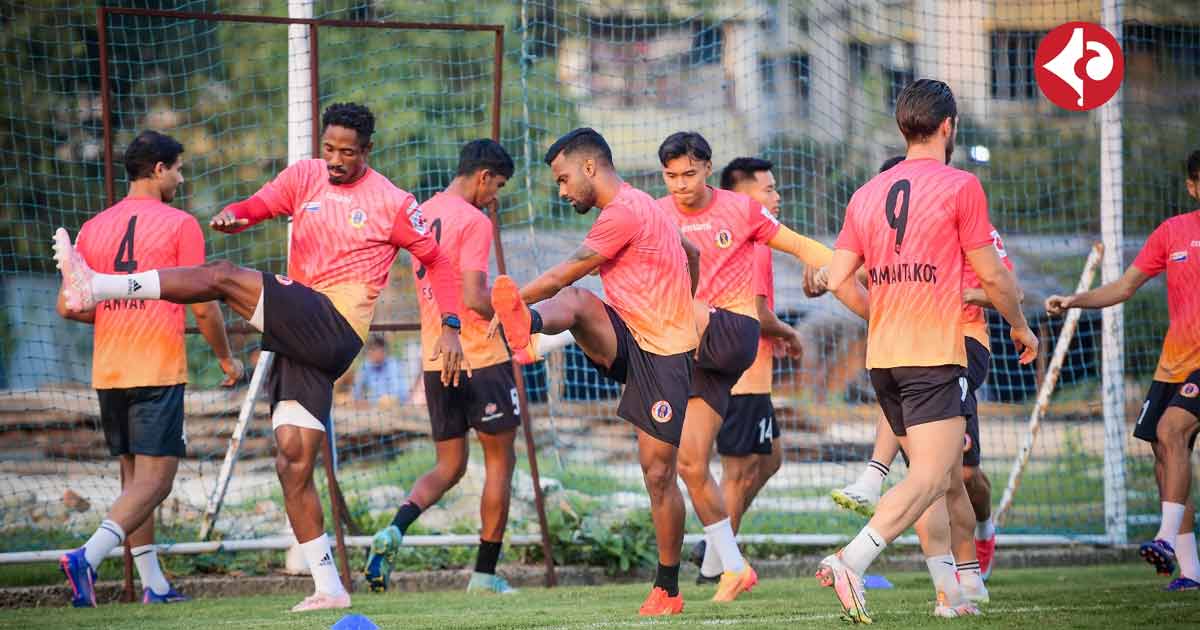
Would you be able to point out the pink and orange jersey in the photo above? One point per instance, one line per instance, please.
(465, 234)
(912, 224)
(646, 277)
(757, 379)
(1174, 247)
(345, 237)
(975, 323)
(139, 343)
(725, 233)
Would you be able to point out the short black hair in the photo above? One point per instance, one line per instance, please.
(484, 154)
(376, 341)
(1193, 165)
(683, 143)
(351, 116)
(890, 162)
(743, 169)
(148, 149)
(922, 106)
(581, 139)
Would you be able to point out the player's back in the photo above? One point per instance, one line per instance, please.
(912, 225)
(139, 343)
(646, 281)
(465, 235)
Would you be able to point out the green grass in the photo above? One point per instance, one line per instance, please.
(1111, 597)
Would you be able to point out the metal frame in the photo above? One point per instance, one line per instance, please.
(314, 26)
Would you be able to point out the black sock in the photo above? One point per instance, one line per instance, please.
(488, 556)
(667, 579)
(535, 322)
(406, 515)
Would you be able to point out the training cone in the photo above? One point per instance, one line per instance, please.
(354, 622)
(876, 582)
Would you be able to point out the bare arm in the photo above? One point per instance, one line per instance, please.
(212, 325)
(693, 260)
(772, 326)
(87, 317)
(1002, 291)
(562, 275)
(1107, 295)
(977, 297)
(476, 295)
(844, 286)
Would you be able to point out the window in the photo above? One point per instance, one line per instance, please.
(897, 79)
(706, 45)
(1013, 64)
(799, 73)
(766, 74)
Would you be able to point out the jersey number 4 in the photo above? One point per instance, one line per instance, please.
(125, 262)
(898, 221)
(437, 236)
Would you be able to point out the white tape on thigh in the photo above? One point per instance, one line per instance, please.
(256, 320)
(293, 413)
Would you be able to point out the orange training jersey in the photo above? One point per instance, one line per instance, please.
(975, 323)
(646, 277)
(725, 233)
(757, 378)
(912, 224)
(344, 237)
(465, 234)
(1174, 247)
(139, 343)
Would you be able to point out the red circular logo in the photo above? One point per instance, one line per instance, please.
(1079, 66)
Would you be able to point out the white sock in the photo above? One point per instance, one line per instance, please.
(1172, 520)
(146, 559)
(984, 530)
(873, 475)
(134, 286)
(945, 579)
(720, 537)
(862, 551)
(711, 567)
(969, 575)
(320, 562)
(1185, 554)
(106, 538)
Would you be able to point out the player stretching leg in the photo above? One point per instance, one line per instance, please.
(348, 223)
(139, 362)
(748, 441)
(643, 336)
(912, 226)
(485, 401)
(725, 226)
(1170, 415)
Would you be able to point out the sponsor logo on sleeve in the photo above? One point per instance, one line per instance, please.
(767, 213)
(415, 218)
(998, 243)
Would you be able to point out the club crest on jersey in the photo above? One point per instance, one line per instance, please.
(1189, 390)
(358, 218)
(661, 411)
(724, 239)
(284, 280)
(312, 206)
(415, 218)
(1180, 256)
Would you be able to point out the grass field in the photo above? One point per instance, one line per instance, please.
(1111, 597)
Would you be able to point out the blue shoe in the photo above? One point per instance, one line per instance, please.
(1161, 554)
(1182, 584)
(172, 596)
(81, 576)
(384, 547)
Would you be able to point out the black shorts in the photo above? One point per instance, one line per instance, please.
(486, 401)
(1185, 395)
(313, 344)
(915, 395)
(749, 427)
(979, 361)
(727, 349)
(143, 420)
(656, 385)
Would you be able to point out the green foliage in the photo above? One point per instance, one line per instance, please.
(582, 532)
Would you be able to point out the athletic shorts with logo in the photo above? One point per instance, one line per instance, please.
(910, 396)
(979, 360)
(656, 385)
(485, 401)
(1185, 395)
(143, 420)
(728, 348)
(313, 344)
(749, 427)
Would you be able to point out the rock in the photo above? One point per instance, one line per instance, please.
(73, 501)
